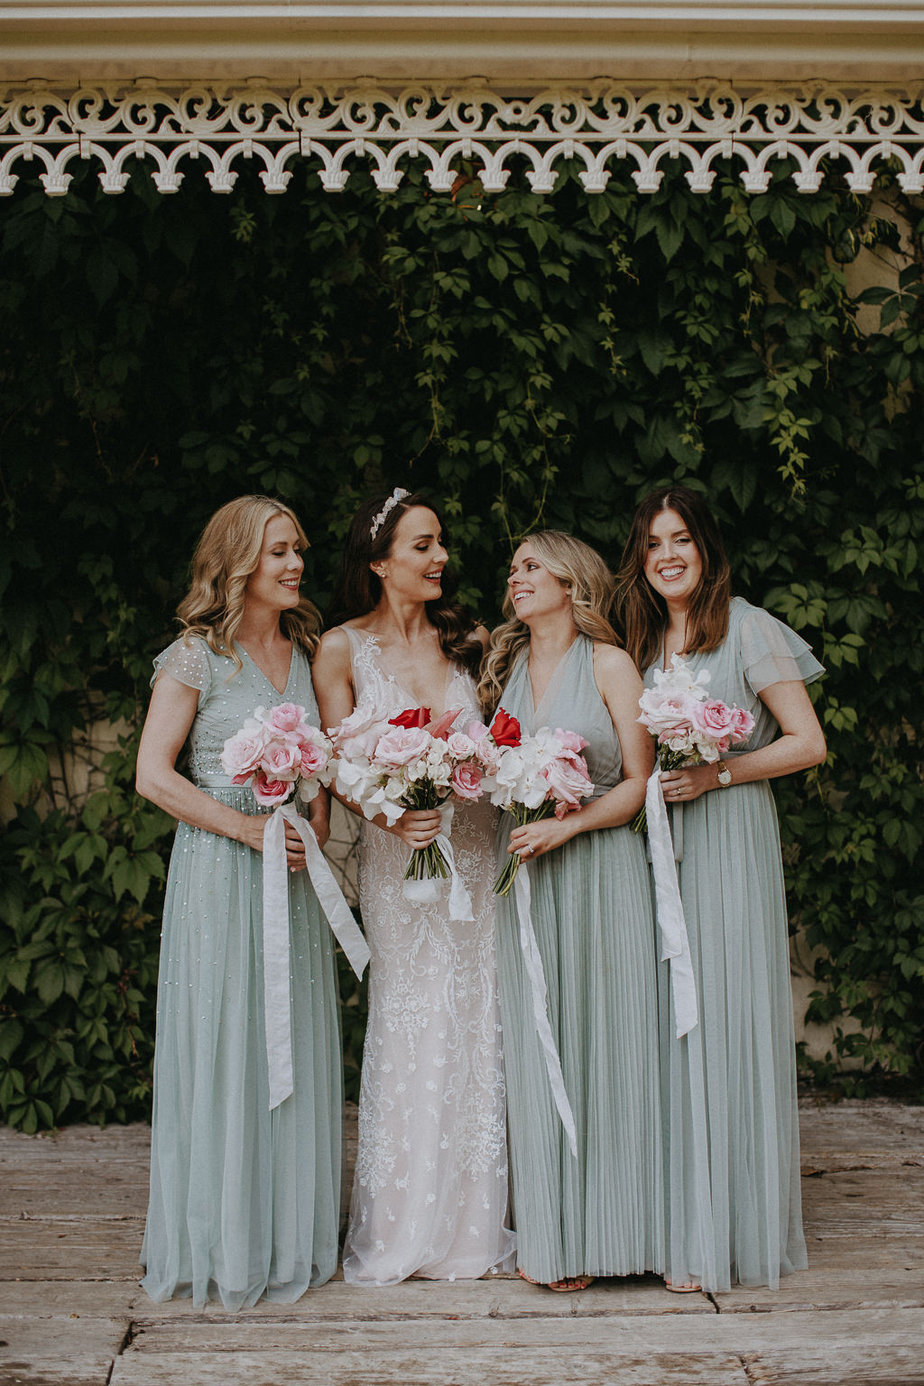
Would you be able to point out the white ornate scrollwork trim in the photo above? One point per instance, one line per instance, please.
(601, 125)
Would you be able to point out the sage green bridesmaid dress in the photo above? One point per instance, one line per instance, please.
(730, 1120)
(601, 1213)
(243, 1201)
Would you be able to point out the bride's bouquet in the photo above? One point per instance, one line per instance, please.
(407, 762)
(690, 727)
(536, 777)
(278, 753)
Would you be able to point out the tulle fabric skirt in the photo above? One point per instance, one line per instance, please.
(601, 1213)
(243, 1201)
(730, 1117)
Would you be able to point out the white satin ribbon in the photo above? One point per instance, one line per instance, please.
(427, 890)
(276, 1004)
(532, 960)
(672, 925)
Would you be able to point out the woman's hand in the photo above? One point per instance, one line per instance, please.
(535, 839)
(417, 827)
(683, 786)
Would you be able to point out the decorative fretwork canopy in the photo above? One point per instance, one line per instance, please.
(601, 125)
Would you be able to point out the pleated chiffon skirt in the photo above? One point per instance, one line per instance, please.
(243, 1201)
(730, 1115)
(600, 1213)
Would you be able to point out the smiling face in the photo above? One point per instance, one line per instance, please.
(275, 580)
(413, 568)
(533, 590)
(673, 565)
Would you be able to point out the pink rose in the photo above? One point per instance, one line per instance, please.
(285, 717)
(281, 760)
(269, 792)
(714, 718)
(568, 781)
(312, 760)
(570, 740)
(742, 724)
(487, 753)
(661, 711)
(241, 755)
(401, 746)
(461, 747)
(466, 780)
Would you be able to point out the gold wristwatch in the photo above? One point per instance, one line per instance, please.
(724, 774)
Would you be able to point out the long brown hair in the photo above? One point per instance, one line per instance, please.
(642, 612)
(592, 586)
(228, 551)
(359, 589)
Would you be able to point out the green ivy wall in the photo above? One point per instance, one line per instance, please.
(532, 360)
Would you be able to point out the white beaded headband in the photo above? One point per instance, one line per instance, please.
(397, 494)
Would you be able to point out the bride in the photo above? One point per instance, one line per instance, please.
(430, 1190)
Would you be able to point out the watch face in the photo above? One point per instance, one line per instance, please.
(725, 775)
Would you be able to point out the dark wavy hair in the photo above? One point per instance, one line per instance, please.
(359, 590)
(642, 613)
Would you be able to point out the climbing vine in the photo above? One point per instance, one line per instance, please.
(533, 360)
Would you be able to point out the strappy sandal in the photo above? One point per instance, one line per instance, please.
(682, 1289)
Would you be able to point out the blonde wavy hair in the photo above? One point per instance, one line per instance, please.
(227, 553)
(592, 586)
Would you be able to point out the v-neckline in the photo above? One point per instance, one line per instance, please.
(554, 678)
(280, 692)
(390, 673)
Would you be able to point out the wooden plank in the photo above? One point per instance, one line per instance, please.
(622, 1334)
(78, 1249)
(26, 1337)
(94, 1298)
(447, 1366)
(872, 1126)
(860, 1366)
(69, 1371)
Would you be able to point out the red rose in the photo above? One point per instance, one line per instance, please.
(505, 729)
(411, 717)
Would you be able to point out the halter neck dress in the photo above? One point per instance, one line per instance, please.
(430, 1190)
(243, 1201)
(730, 1118)
(599, 1214)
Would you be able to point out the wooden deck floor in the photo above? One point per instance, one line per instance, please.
(71, 1312)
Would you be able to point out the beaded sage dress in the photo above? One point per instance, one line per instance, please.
(243, 1201)
(731, 1131)
(599, 1213)
(430, 1190)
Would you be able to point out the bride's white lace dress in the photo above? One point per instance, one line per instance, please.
(430, 1190)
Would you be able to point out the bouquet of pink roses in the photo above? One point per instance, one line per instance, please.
(536, 777)
(407, 761)
(277, 752)
(690, 727)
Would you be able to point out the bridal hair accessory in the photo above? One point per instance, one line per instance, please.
(397, 494)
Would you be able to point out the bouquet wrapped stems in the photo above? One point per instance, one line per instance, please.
(522, 815)
(426, 863)
(666, 759)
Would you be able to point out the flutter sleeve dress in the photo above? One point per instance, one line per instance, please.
(599, 1213)
(243, 1201)
(730, 1120)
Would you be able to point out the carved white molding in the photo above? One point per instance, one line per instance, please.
(601, 125)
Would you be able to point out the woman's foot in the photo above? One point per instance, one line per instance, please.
(687, 1288)
(566, 1286)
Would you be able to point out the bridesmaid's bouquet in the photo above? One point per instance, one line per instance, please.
(690, 728)
(278, 753)
(536, 777)
(407, 762)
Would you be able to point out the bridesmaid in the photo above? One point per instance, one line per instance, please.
(244, 1201)
(729, 1086)
(556, 662)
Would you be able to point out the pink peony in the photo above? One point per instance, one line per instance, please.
(285, 717)
(401, 746)
(466, 780)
